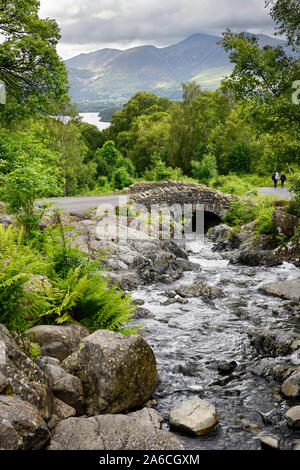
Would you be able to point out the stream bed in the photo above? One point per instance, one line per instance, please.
(190, 340)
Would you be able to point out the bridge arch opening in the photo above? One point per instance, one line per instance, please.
(210, 220)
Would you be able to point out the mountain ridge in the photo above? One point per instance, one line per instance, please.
(115, 75)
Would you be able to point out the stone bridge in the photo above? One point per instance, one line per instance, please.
(180, 192)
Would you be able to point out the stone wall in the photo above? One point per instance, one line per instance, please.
(180, 192)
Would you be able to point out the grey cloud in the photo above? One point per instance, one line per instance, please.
(158, 22)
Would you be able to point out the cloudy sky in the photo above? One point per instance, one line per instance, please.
(88, 25)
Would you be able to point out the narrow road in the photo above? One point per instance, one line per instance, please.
(283, 193)
(84, 203)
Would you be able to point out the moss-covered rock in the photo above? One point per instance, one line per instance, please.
(118, 372)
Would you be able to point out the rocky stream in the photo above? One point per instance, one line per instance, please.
(203, 348)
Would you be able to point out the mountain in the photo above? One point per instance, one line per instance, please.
(112, 75)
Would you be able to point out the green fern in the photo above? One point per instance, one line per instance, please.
(78, 294)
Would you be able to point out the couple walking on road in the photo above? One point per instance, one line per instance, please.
(275, 178)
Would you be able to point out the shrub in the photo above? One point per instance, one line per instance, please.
(240, 214)
(121, 179)
(231, 184)
(265, 222)
(248, 210)
(21, 187)
(158, 171)
(294, 205)
(205, 170)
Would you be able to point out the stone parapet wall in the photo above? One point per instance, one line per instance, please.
(179, 192)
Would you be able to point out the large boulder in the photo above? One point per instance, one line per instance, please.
(22, 378)
(287, 290)
(293, 417)
(291, 386)
(118, 372)
(21, 426)
(111, 432)
(195, 416)
(285, 224)
(58, 341)
(161, 266)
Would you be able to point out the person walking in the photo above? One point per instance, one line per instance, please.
(283, 179)
(275, 178)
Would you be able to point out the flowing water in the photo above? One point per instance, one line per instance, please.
(189, 341)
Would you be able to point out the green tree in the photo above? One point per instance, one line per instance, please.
(148, 135)
(141, 103)
(63, 135)
(192, 123)
(93, 139)
(34, 75)
(286, 14)
(261, 83)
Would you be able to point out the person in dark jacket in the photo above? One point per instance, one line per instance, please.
(283, 178)
(275, 178)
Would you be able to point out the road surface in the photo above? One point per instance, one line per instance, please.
(283, 193)
(84, 203)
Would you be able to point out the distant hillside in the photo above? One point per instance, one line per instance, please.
(114, 75)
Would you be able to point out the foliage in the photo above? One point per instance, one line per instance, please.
(117, 170)
(205, 170)
(93, 139)
(121, 178)
(248, 210)
(286, 15)
(264, 221)
(261, 83)
(20, 189)
(34, 74)
(158, 171)
(294, 204)
(37, 287)
(18, 263)
(192, 123)
(63, 136)
(231, 184)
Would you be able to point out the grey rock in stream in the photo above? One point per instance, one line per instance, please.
(287, 290)
(258, 258)
(293, 417)
(194, 416)
(275, 343)
(112, 432)
(199, 289)
(291, 386)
